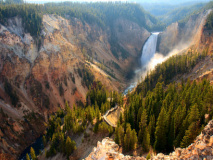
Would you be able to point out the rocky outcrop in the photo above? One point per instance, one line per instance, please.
(42, 74)
(202, 148)
(108, 149)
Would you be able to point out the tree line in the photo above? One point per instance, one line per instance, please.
(102, 14)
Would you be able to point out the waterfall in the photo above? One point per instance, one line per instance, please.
(148, 52)
(149, 49)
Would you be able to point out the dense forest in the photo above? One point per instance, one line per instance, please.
(166, 114)
(168, 118)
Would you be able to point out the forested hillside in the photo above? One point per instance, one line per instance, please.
(163, 113)
(168, 13)
(102, 14)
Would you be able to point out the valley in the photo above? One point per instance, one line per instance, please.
(72, 74)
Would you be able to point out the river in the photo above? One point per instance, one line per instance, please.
(37, 146)
(147, 55)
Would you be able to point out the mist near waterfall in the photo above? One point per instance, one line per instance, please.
(150, 59)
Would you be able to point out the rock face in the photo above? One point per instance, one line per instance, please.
(202, 148)
(42, 74)
(180, 36)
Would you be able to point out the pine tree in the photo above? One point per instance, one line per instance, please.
(32, 153)
(190, 135)
(44, 140)
(121, 135)
(152, 129)
(127, 138)
(160, 133)
(143, 124)
(27, 157)
(121, 118)
(116, 139)
(194, 114)
(70, 146)
(146, 140)
(179, 116)
(133, 140)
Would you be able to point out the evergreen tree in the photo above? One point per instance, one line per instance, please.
(143, 124)
(190, 135)
(152, 129)
(127, 138)
(160, 133)
(121, 135)
(32, 153)
(44, 140)
(121, 118)
(194, 114)
(116, 139)
(133, 140)
(146, 140)
(68, 145)
(27, 157)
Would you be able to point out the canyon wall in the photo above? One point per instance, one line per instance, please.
(182, 35)
(38, 75)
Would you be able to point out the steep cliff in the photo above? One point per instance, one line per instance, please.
(181, 35)
(38, 75)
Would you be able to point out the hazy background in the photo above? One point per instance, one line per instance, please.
(137, 1)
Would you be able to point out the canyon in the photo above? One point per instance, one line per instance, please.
(44, 77)
(38, 76)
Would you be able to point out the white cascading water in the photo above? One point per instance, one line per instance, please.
(148, 52)
(149, 49)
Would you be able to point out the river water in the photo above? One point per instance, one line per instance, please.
(147, 55)
(37, 146)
